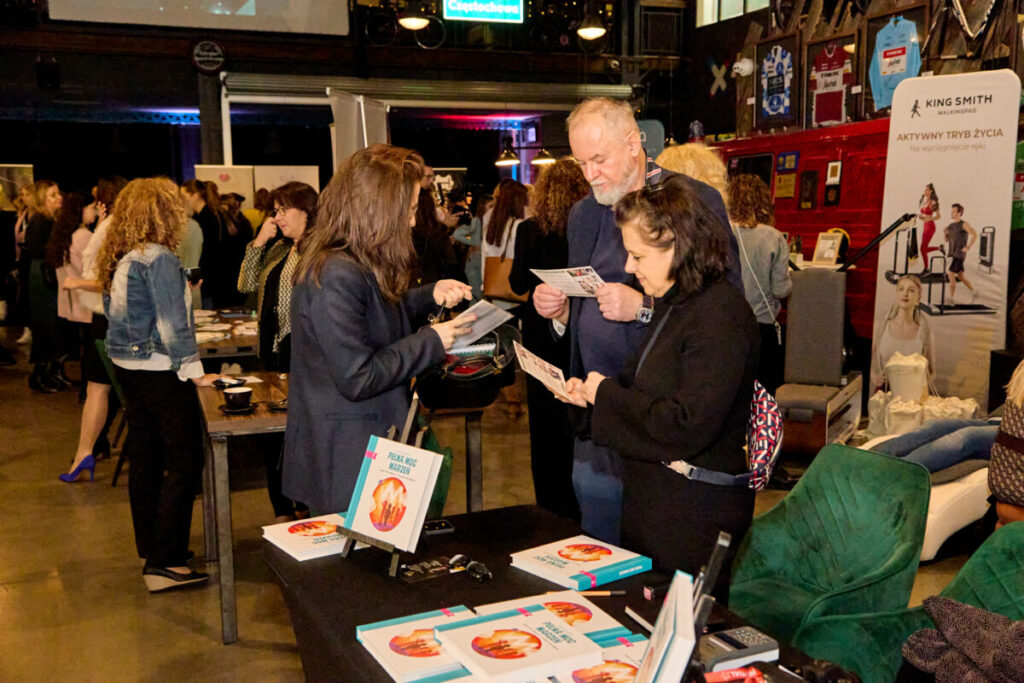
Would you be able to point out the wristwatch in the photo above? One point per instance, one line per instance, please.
(646, 310)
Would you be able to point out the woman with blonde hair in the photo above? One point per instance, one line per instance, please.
(354, 322)
(47, 375)
(541, 244)
(764, 257)
(151, 340)
(698, 161)
(905, 329)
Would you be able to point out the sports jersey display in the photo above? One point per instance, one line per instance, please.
(831, 75)
(776, 80)
(897, 56)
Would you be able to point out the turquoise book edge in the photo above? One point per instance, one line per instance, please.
(660, 671)
(364, 471)
(612, 641)
(465, 623)
(634, 565)
(461, 672)
(613, 633)
(412, 617)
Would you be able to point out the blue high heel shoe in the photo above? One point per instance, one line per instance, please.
(88, 463)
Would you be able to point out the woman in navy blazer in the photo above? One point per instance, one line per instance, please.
(355, 342)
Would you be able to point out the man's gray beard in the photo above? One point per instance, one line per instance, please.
(610, 196)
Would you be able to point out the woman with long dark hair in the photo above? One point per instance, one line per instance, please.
(152, 342)
(685, 398)
(541, 244)
(203, 201)
(354, 320)
(435, 254)
(47, 376)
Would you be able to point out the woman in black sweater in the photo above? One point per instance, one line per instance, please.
(686, 397)
(541, 244)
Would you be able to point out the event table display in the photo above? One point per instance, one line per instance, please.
(226, 333)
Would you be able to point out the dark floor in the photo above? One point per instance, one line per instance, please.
(72, 603)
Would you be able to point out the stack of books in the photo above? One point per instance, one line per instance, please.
(580, 562)
(407, 649)
(622, 661)
(517, 645)
(308, 538)
(392, 493)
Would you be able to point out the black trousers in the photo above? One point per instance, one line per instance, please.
(165, 448)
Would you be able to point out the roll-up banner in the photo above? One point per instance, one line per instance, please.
(358, 122)
(942, 278)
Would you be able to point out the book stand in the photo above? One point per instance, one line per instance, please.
(351, 537)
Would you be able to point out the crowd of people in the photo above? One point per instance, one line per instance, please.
(661, 361)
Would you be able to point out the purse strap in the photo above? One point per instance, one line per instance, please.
(650, 342)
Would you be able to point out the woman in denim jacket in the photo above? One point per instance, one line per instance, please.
(151, 341)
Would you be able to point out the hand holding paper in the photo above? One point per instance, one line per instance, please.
(546, 373)
(580, 281)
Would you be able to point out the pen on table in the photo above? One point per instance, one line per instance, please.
(597, 594)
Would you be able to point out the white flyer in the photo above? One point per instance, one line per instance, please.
(582, 281)
(535, 366)
(488, 317)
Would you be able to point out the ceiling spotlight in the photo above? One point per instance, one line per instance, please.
(543, 158)
(508, 155)
(591, 28)
(414, 19)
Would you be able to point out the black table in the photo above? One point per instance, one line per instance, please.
(330, 596)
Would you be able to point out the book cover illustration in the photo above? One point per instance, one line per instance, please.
(569, 606)
(406, 647)
(517, 645)
(392, 493)
(580, 562)
(308, 538)
(621, 664)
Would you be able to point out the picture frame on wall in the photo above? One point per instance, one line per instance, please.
(831, 82)
(892, 53)
(777, 102)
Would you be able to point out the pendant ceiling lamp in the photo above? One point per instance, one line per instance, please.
(414, 18)
(508, 155)
(543, 158)
(591, 28)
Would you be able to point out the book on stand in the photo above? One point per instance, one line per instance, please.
(516, 646)
(407, 649)
(580, 562)
(308, 538)
(392, 493)
(673, 638)
(570, 607)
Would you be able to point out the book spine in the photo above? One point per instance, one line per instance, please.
(612, 572)
(364, 472)
(461, 672)
(465, 623)
(445, 612)
(603, 636)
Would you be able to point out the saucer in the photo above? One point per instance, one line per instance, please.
(237, 411)
(279, 406)
(222, 383)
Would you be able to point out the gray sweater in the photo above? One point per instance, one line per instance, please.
(764, 256)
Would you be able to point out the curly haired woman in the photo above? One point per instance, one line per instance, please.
(151, 340)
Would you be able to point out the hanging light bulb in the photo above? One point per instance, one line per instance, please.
(414, 19)
(670, 142)
(543, 158)
(508, 156)
(591, 28)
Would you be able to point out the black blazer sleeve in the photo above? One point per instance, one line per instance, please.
(687, 388)
(343, 311)
(419, 303)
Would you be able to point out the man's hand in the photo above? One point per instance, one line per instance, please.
(551, 303)
(574, 385)
(594, 380)
(619, 302)
(449, 293)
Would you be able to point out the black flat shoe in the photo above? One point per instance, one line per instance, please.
(160, 579)
(41, 384)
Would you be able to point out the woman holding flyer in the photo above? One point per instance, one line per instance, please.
(685, 398)
(354, 319)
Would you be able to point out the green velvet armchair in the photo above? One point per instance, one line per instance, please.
(871, 644)
(846, 540)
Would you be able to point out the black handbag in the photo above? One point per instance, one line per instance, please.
(474, 380)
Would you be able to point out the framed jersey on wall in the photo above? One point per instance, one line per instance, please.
(892, 53)
(830, 81)
(777, 102)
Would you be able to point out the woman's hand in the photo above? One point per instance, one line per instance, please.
(449, 293)
(452, 330)
(574, 387)
(267, 232)
(594, 380)
(551, 303)
(207, 379)
(101, 211)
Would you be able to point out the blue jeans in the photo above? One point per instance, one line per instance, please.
(943, 443)
(597, 480)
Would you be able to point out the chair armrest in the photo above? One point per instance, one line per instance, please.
(758, 554)
(868, 644)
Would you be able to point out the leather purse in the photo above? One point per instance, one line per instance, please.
(496, 272)
(467, 381)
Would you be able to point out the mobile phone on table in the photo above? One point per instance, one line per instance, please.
(437, 526)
